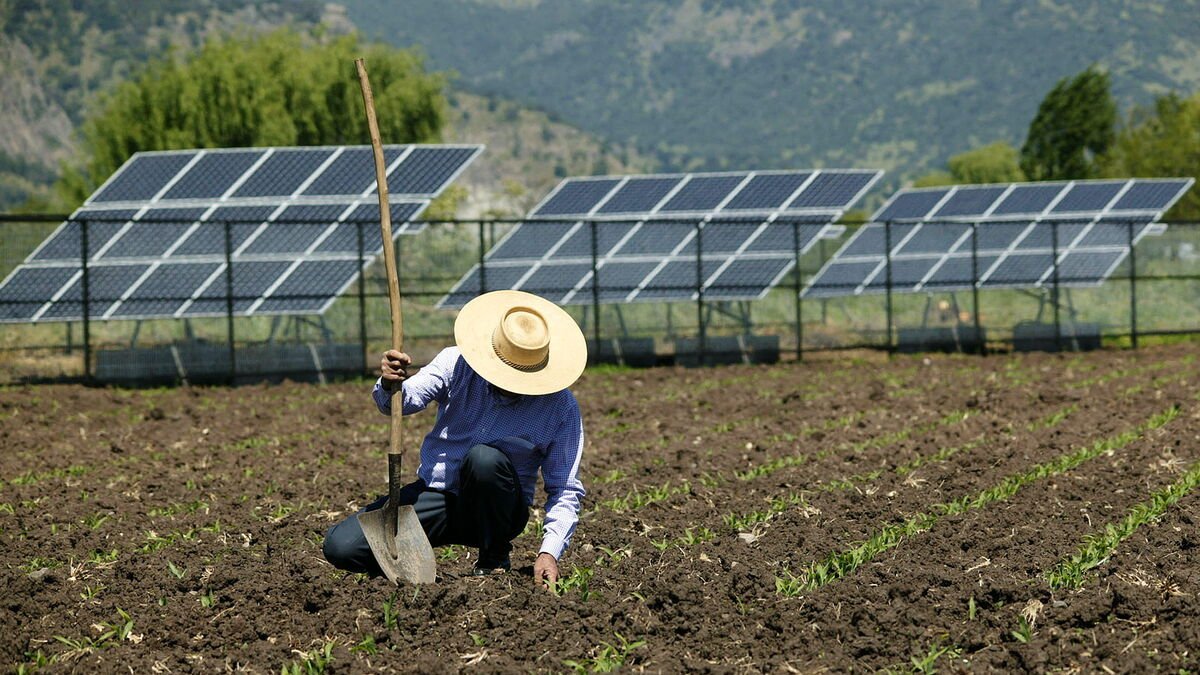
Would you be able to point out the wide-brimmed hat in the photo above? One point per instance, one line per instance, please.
(520, 342)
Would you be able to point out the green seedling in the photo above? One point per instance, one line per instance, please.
(99, 557)
(366, 646)
(208, 599)
(176, 571)
(312, 662)
(608, 657)
(1097, 548)
(579, 579)
(38, 562)
(1023, 632)
(842, 563)
(389, 613)
(90, 592)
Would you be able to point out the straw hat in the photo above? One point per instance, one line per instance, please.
(520, 342)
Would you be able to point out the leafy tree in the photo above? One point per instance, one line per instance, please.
(1162, 140)
(282, 88)
(1074, 125)
(995, 163)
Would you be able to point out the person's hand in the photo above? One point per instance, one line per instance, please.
(545, 570)
(394, 368)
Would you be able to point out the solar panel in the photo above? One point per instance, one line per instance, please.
(157, 230)
(646, 232)
(1022, 233)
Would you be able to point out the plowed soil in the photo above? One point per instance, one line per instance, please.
(180, 530)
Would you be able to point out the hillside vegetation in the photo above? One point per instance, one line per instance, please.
(784, 83)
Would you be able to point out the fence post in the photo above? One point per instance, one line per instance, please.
(798, 289)
(975, 287)
(362, 300)
(702, 356)
(482, 253)
(1133, 323)
(1058, 343)
(595, 288)
(229, 331)
(87, 300)
(887, 262)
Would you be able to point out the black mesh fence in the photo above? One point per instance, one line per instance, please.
(169, 301)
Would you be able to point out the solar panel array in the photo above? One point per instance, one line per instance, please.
(156, 233)
(746, 226)
(1021, 227)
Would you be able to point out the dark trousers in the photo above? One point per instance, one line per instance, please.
(488, 512)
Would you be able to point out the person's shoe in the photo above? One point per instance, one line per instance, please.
(488, 566)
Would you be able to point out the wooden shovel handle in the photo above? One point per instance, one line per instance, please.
(389, 258)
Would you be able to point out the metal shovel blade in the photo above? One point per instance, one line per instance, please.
(404, 553)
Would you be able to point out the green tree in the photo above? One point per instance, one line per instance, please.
(282, 88)
(994, 163)
(1074, 125)
(1162, 141)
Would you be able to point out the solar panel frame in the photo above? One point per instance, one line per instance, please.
(194, 243)
(1024, 233)
(626, 250)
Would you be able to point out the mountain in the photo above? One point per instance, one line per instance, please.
(746, 84)
(57, 58)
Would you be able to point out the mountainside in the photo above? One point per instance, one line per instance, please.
(57, 57)
(783, 83)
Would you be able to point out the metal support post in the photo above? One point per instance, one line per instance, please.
(887, 253)
(87, 300)
(798, 289)
(229, 328)
(702, 357)
(975, 287)
(1133, 317)
(362, 300)
(595, 286)
(1058, 342)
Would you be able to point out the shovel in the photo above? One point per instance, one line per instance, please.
(394, 532)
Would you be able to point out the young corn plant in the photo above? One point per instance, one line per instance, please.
(608, 656)
(842, 563)
(578, 580)
(1096, 548)
(313, 662)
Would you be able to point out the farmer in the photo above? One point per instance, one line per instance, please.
(504, 412)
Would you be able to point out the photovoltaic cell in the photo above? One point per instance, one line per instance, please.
(530, 240)
(767, 191)
(702, 193)
(969, 202)
(579, 244)
(677, 279)
(909, 205)
(832, 189)
(250, 280)
(638, 195)
(426, 169)
(282, 173)
(576, 198)
(747, 277)
(66, 242)
(351, 173)
(656, 239)
(555, 281)
(142, 177)
(209, 236)
(213, 174)
(344, 238)
(1028, 199)
(307, 288)
(152, 238)
(30, 288)
(1150, 195)
(1088, 197)
(166, 289)
(105, 286)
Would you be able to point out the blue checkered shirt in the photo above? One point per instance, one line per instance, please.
(536, 432)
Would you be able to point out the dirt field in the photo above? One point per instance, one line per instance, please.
(916, 514)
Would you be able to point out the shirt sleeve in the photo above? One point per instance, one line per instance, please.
(431, 383)
(560, 474)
